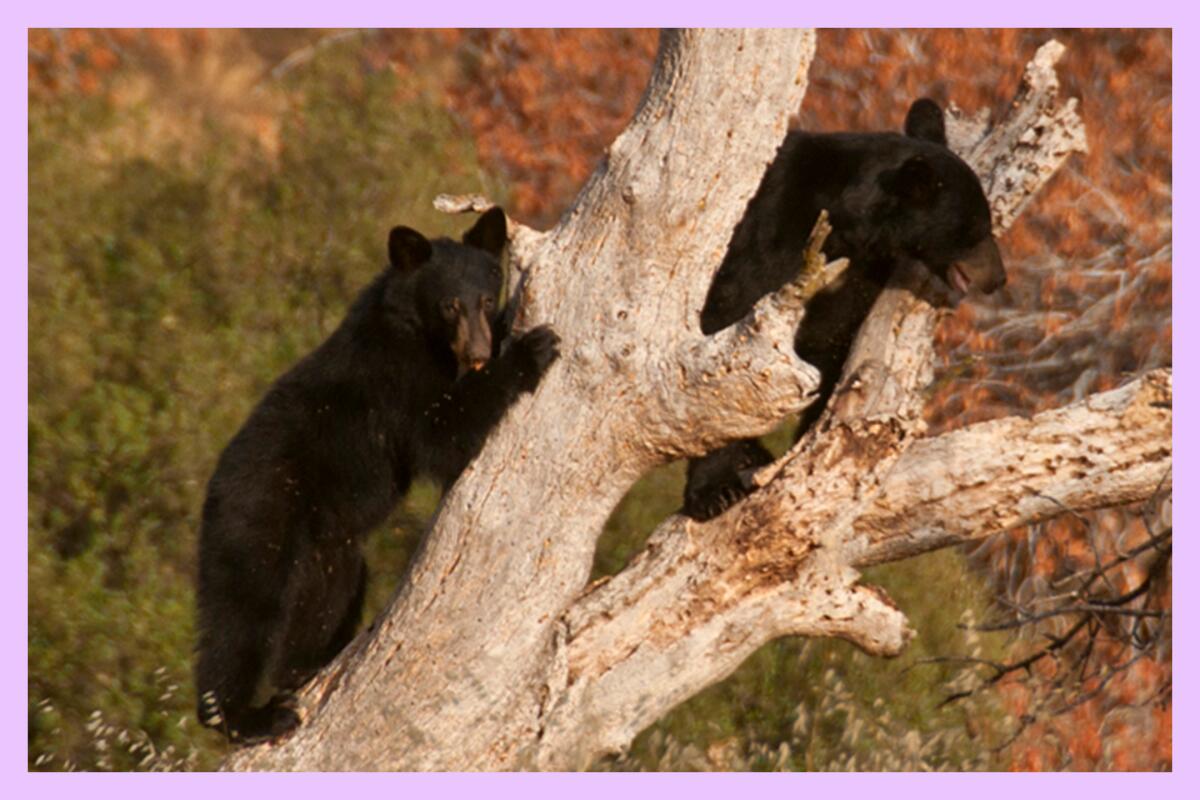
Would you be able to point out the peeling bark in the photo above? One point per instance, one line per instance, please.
(496, 654)
(1108, 449)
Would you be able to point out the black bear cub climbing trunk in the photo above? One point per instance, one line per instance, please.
(891, 199)
(406, 385)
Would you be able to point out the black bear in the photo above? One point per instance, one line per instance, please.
(406, 385)
(891, 198)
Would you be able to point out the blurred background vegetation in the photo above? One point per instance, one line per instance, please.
(204, 204)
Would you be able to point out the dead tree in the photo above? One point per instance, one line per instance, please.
(496, 653)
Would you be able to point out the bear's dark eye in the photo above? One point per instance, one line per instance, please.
(450, 308)
(488, 304)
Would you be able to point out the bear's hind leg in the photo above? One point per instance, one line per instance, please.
(231, 662)
(349, 624)
(325, 601)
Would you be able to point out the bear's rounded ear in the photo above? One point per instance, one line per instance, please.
(408, 249)
(489, 232)
(914, 181)
(926, 121)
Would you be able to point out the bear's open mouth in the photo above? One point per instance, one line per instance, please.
(959, 277)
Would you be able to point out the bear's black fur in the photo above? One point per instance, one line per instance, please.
(404, 386)
(891, 198)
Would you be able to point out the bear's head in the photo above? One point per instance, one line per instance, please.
(457, 286)
(936, 209)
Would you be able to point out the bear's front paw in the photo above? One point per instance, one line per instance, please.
(536, 351)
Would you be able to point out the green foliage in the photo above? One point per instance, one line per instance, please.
(170, 282)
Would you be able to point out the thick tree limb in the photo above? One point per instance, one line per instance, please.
(495, 654)
(705, 595)
(1108, 449)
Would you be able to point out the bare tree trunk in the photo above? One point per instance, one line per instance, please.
(496, 654)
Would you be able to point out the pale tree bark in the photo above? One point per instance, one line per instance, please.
(497, 654)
